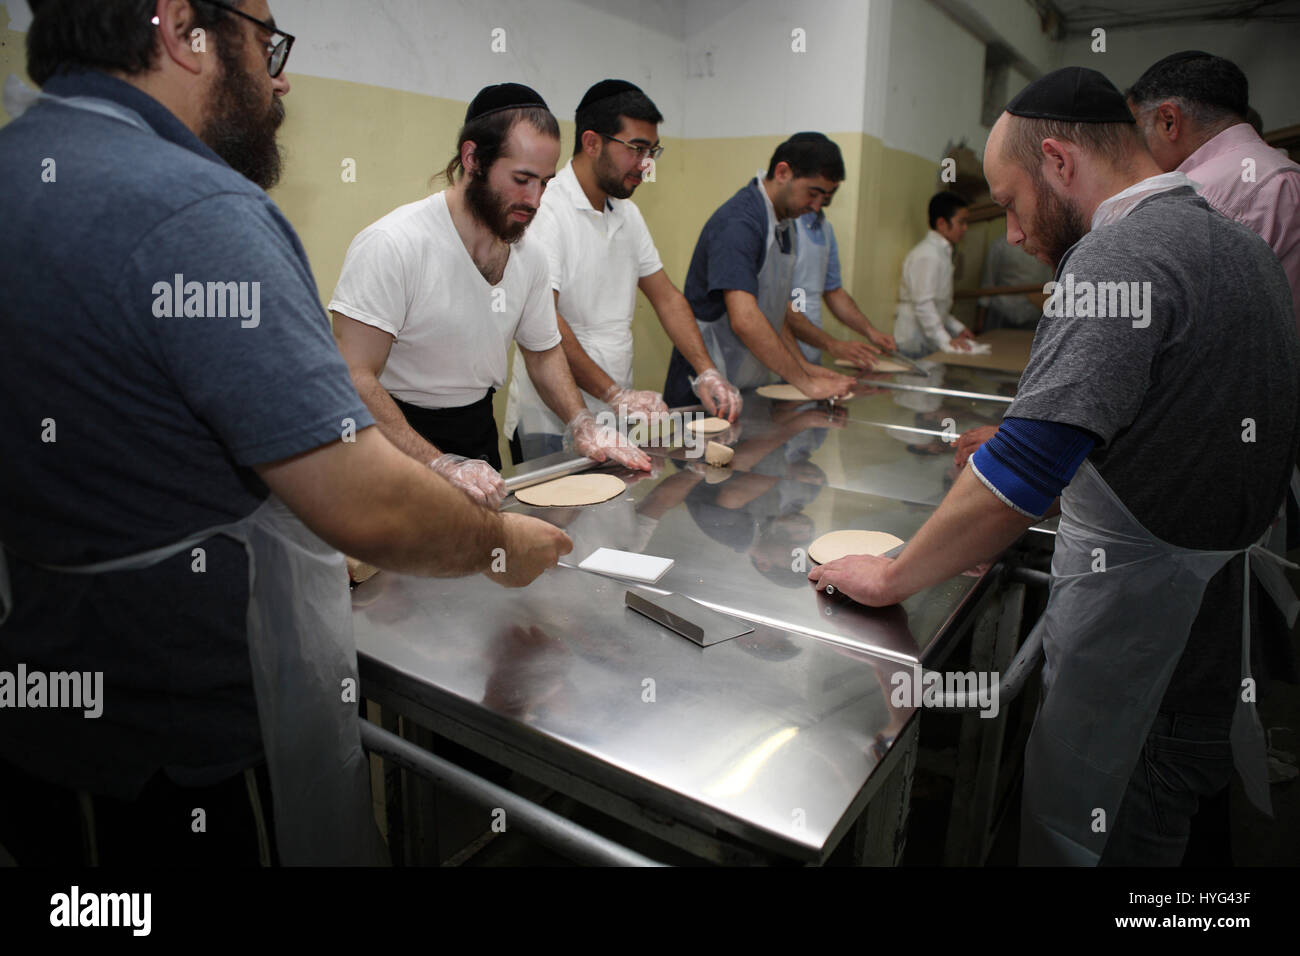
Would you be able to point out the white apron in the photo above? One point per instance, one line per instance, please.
(610, 347)
(1111, 642)
(811, 265)
(300, 648)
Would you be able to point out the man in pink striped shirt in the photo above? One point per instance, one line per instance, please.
(1191, 108)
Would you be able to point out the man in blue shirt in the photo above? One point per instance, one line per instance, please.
(741, 275)
(817, 276)
(172, 403)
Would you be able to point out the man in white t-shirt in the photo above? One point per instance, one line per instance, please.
(924, 322)
(600, 252)
(432, 294)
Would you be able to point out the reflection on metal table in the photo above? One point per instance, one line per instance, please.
(762, 744)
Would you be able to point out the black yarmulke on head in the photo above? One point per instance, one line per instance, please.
(1074, 94)
(606, 89)
(503, 96)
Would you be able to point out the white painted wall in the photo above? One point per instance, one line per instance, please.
(444, 47)
(1266, 53)
(745, 79)
(935, 81)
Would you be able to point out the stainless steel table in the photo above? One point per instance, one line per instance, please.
(763, 743)
(767, 747)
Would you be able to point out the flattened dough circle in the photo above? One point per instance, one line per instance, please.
(788, 393)
(572, 490)
(708, 426)
(884, 365)
(837, 544)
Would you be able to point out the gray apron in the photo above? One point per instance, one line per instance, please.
(301, 651)
(1111, 642)
(734, 360)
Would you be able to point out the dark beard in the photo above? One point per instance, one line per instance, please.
(486, 206)
(240, 127)
(609, 181)
(1058, 224)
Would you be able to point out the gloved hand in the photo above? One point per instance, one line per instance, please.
(599, 442)
(634, 402)
(719, 396)
(476, 478)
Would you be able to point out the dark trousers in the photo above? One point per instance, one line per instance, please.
(1186, 762)
(469, 430)
(44, 824)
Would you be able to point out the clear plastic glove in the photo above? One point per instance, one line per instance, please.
(476, 478)
(599, 442)
(634, 402)
(719, 396)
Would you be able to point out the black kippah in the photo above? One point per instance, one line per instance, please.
(503, 96)
(1074, 94)
(604, 90)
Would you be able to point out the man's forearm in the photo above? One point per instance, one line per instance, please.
(846, 310)
(679, 322)
(757, 334)
(390, 419)
(588, 376)
(804, 330)
(970, 526)
(550, 375)
(378, 504)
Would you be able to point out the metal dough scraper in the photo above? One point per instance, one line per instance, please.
(688, 618)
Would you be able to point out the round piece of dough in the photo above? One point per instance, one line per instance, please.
(838, 544)
(788, 393)
(884, 365)
(572, 490)
(708, 426)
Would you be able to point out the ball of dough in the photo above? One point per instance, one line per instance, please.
(716, 453)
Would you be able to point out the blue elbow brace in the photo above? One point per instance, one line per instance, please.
(1029, 462)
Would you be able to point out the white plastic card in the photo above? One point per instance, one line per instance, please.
(625, 564)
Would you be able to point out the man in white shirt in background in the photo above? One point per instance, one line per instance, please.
(924, 322)
(817, 277)
(599, 253)
(432, 294)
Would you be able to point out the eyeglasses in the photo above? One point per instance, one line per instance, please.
(277, 50)
(654, 152)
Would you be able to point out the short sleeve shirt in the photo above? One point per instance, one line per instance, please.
(410, 275)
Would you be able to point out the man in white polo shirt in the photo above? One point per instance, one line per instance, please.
(600, 252)
(432, 294)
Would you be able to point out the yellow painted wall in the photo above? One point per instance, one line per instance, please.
(13, 54)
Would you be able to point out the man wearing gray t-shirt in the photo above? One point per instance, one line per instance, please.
(1158, 404)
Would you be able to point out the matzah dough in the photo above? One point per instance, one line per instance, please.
(708, 426)
(838, 544)
(788, 393)
(884, 365)
(716, 453)
(572, 490)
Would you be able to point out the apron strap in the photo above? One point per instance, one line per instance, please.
(1274, 580)
(132, 562)
(142, 559)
